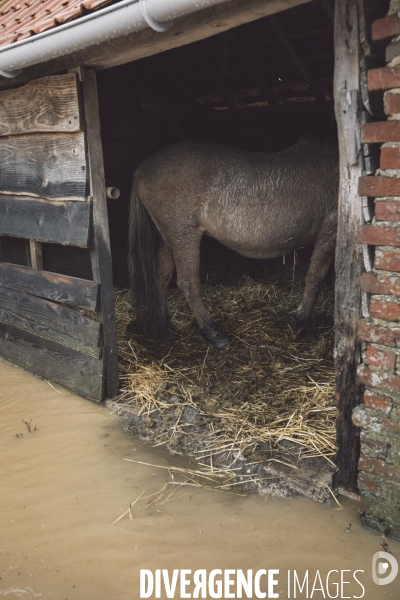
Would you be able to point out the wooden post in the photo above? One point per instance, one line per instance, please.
(36, 255)
(100, 249)
(348, 251)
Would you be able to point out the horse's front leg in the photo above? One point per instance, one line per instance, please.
(321, 259)
(187, 260)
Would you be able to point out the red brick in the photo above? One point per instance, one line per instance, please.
(384, 309)
(387, 211)
(380, 358)
(387, 382)
(376, 334)
(385, 28)
(373, 448)
(378, 235)
(391, 102)
(369, 423)
(384, 131)
(390, 157)
(384, 78)
(374, 466)
(379, 186)
(377, 402)
(378, 468)
(368, 484)
(387, 260)
(380, 284)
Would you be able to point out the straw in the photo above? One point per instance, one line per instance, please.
(266, 391)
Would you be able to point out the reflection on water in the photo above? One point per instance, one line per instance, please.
(14, 592)
(63, 485)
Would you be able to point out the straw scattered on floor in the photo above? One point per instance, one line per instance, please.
(167, 492)
(265, 390)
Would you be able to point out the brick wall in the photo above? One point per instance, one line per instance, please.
(379, 415)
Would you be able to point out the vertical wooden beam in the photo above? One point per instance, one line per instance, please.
(28, 257)
(100, 248)
(36, 255)
(348, 252)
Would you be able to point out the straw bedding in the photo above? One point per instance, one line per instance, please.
(266, 398)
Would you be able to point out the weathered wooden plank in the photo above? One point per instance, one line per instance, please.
(348, 252)
(49, 104)
(66, 223)
(61, 318)
(79, 373)
(44, 165)
(100, 249)
(48, 333)
(60, 288)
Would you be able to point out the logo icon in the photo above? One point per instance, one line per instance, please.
(381, 561)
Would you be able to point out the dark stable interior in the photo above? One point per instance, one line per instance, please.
(258, 87)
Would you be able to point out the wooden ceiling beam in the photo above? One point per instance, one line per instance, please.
(209, 74)
(317, 88)
(260, 81)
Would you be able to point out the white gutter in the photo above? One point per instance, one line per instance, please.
(108, 23)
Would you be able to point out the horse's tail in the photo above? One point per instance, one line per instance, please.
(144, 241)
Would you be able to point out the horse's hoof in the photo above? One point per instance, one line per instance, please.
(216, 338)
(220, 340)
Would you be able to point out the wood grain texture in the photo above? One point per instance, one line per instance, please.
(48, 333)
(60, 318)
(44, 165)
(100, 249)
(66, 223)
(59, 288)
(49, 104)
(348, 263)
(77, 372)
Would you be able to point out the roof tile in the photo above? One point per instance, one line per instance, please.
(23, 18)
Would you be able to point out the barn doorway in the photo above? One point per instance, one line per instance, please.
(259, 87)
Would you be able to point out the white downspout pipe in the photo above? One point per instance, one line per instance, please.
(108, 23)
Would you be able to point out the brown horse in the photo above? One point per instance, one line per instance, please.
(260, 205)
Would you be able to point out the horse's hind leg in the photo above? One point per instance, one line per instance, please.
(165, 271)
(321, 259)
(187, 260)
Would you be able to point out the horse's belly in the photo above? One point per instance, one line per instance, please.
(260, 252)
(265, 244)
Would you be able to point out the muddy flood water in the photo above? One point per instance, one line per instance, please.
(64, 483)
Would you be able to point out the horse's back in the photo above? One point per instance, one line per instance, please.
(258, 204)
(202, 167)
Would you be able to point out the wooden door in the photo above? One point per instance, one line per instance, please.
(52, 190)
